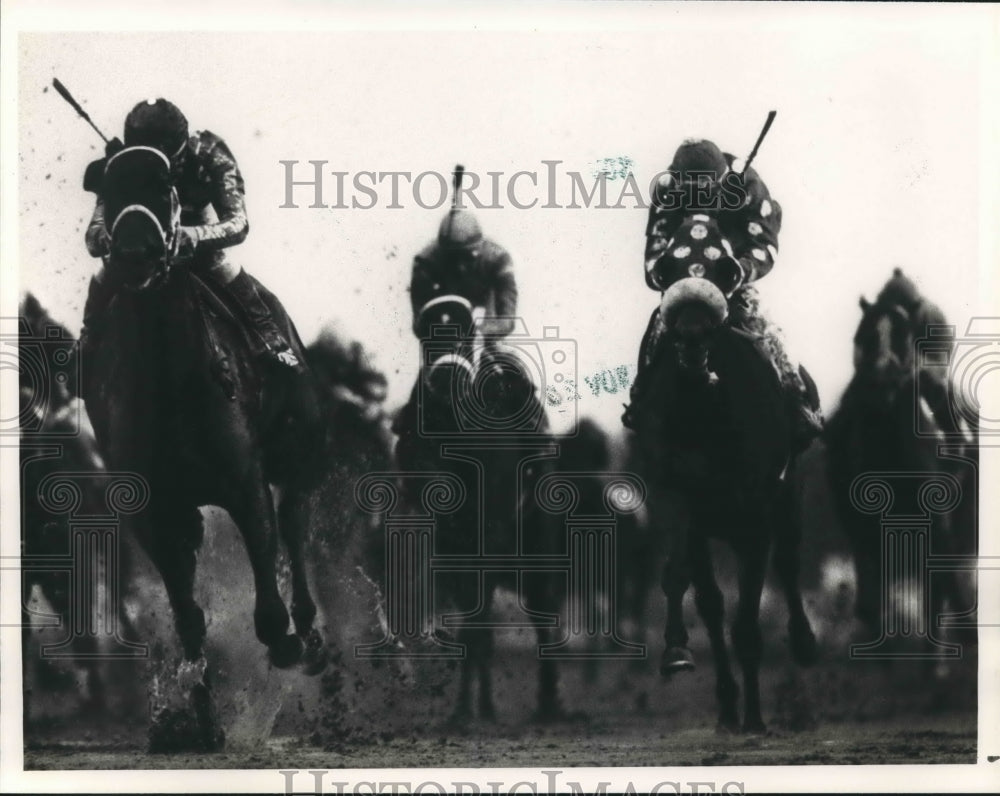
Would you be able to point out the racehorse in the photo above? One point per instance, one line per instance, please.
(475, 397)
(358, 429)
(57, 441)
(176, 395)
(874, 430)
(588, 452)
(716, 449)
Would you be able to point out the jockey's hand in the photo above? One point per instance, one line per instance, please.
(628, 417)
(732, 275)
(113, 147)
(103, 242)
(184, 243)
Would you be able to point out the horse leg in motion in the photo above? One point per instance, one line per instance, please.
(675, 579)
(484, 665)
(474, 601)
(747, 638)
(711, 607)
(292, 524)
(253, 511)
(172, 541)
(788, 535)
(541, 600)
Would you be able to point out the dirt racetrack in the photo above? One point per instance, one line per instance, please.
(841, 712)
(359, 715)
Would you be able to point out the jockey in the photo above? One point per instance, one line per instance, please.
(705, 184)
(213, 217)
(464, 263)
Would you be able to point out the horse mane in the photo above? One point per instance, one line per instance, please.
(37, 318)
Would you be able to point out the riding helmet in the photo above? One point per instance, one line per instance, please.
(699, 156)
(157, 123)
(459, 230)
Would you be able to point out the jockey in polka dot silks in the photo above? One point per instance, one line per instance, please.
(213, 218)
(703, 210)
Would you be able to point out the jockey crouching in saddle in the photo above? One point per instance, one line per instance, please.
(689, 216)
(213, 217)
(462, 262)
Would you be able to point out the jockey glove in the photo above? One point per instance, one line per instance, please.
(185, 242)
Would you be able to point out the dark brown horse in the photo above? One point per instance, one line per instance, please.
(478, 423)
(875, 431)
(717, 455)
(58, 446)
(176, 395)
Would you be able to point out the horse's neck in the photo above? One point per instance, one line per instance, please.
(884, 434)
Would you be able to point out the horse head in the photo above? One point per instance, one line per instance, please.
(142, 213)
(445, 324)
(883, 351)
(476, 380)
(698, 274)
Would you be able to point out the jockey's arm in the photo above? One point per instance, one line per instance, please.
(662, 225)
(421, 289)
(500, 317)
(96, 237)
(227, 198)
(754, 229)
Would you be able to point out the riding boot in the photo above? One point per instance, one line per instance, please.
(806, 421)
(630, 418)
(243, 289)
(99, 296)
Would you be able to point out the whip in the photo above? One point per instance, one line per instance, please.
(760, 139)
(64, 93)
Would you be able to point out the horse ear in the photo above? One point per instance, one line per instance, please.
(897, 271)
(865, 304)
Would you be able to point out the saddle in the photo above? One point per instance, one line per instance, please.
(216, 302)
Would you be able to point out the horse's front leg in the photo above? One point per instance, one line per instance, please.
(711, 607)
(171, 539)
(293, 526)
(253, 513)
(542, 600)
(675, 523)
(788, 535)
(747, 639)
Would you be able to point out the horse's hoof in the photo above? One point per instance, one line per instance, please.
(287, 652)
(727, 726)
(805, 650)
(755, 727)
(676, 659)
(314, 656)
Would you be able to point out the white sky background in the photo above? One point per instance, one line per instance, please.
(874, 156)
